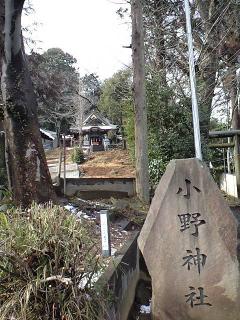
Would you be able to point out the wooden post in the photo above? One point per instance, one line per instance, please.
(223, 133)
(64, 164)
(234, 92)
(59, 165)
(222, 145)
(139, 93)
(228, 158)
(237, 162)
(105, 233)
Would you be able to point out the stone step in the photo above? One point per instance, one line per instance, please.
(69, 174)
(69, 167)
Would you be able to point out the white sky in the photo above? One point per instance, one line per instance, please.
(90, 30)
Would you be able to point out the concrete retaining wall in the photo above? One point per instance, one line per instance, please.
(228, 184)
(124, 186)
(121, 277)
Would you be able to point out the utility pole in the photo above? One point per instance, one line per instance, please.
(196, 127)
(59, 166)
(139, 95)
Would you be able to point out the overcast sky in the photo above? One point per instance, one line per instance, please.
(90, 30)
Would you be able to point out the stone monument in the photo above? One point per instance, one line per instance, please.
(190, 245)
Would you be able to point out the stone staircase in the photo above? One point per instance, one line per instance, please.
(72, 170)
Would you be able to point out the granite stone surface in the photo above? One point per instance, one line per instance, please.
(190, 244)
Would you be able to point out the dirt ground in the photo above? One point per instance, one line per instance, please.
(108, 164)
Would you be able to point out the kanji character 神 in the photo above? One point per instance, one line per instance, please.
(198, 260)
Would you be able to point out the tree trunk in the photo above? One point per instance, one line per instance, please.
(207, 64)
(29, 177)
(81, 104)
(2, 22)
(160, 42)
(141, 147)
(207, 81)
(3, 173)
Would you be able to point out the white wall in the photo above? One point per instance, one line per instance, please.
(228, 184)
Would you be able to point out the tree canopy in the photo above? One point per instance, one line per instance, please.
(216, 30)
(116, 93)
(56, 82)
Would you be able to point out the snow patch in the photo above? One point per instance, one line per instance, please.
(86, 279)
(70, 208)
(145, 309)
(113, 251)
(81, 214)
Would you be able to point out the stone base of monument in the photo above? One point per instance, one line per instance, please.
(121, 277)
(129, 282)
(141, 308)
(191, 244)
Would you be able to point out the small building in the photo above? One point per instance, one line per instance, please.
(49, 139)
(95, 131)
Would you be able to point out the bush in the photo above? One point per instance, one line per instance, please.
(5, 198)
(156, 169)
(78, 155)
(48, 259)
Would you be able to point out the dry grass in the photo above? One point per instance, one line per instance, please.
(45, 254)
(109, 164)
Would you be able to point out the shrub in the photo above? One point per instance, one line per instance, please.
(156, 169)
(47, 262)
(5, 198)
(77, 155)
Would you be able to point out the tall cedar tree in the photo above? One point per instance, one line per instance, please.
(29, 177)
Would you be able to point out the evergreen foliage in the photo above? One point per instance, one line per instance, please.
(77, 155)
(170, 133)
(116, 96)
